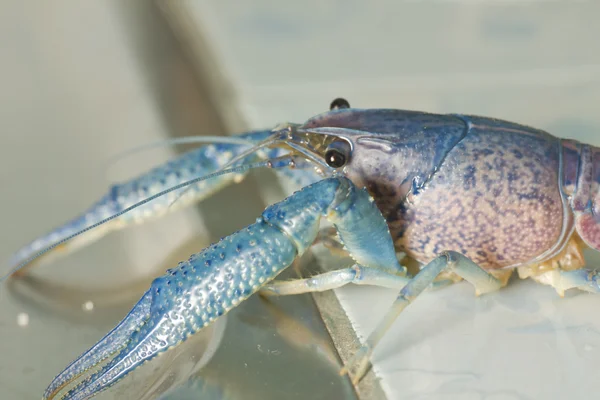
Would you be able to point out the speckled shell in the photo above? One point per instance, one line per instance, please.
(486, 188)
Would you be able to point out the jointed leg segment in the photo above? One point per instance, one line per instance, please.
(356, 274)
(450, 261)
(461, 265)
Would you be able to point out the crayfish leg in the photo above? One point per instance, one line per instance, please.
(483, 281)
(356, 274)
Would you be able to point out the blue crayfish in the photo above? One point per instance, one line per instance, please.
(464, 197)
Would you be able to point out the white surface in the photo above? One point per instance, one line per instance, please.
(535, 63)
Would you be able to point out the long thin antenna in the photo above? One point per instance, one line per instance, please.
(182, 140)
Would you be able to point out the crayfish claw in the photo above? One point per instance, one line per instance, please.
(104, 349)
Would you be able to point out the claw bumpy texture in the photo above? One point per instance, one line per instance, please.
(210, 283)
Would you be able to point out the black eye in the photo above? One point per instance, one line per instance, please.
(339, 103)
(337, 154)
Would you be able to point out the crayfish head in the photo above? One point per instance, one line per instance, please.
(367, 158)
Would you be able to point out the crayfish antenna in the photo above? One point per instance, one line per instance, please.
(240, 141)
(55, 240)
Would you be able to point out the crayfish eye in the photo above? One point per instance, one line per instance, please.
(337, 154)
(339, 103)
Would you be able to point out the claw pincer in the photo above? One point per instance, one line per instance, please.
(195, 163)
(212, 282)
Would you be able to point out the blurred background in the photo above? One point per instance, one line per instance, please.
(82, 83)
